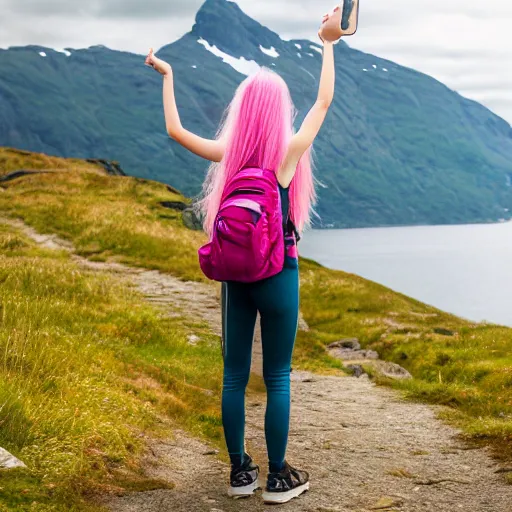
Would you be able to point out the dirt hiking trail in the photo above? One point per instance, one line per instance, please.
(364, 446)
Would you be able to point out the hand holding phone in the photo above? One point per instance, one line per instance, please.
(342, 21)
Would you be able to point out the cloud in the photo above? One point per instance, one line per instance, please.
(119, 9)
(463, 44)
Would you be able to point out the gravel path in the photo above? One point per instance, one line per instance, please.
(365, 447)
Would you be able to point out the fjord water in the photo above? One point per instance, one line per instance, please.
(462, 269)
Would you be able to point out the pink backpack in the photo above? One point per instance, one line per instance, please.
(247, 242)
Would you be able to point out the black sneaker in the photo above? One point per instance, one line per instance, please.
(244, 479)
(285, 485)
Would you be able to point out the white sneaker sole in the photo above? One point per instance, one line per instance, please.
(283, 497)
(243, 492)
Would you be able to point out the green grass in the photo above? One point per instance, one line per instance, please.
(15, 159)
(120, 219)
(85, 365)
(104, 216)
(468, 368)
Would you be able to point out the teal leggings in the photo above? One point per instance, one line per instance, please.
(277, 300)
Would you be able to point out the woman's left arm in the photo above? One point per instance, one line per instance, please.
(206, 148)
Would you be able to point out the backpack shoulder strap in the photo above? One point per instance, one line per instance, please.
(291, 226)
(288, 223)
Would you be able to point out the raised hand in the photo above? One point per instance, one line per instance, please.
(330, 29)
(161, 66)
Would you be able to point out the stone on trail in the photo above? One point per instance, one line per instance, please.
(8, 461)
(303, 326)
(386, 502)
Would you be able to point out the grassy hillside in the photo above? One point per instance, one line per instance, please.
(466, 366)
(75, 350)
(74, 345)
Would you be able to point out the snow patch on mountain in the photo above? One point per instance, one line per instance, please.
(43, 54)
(298, 46)
(316, 48)
(271, 52)
(242, 65)
(67, 53)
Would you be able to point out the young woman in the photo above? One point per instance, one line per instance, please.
(257, 130)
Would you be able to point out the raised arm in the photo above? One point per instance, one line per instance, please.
(313, 121)
(206, 148)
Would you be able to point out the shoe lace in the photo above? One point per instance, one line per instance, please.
(244, 477)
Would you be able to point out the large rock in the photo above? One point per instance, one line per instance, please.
(350, 349)
(110, 167)
(349, 354)
(174, 205)
(19, 173)
(444, 331)
(392, 370)
(383, 368)
(355, 369)
(352, 343)
(191, 220)
(8, 461)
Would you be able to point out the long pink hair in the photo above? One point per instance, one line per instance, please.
(257, 127)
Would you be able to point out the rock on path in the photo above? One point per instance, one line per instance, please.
(364, 446)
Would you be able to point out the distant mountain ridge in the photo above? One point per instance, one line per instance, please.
(397, 147)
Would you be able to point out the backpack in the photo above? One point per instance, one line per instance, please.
(247, 242)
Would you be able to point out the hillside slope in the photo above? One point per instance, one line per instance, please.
(398, 147)
(88, 369)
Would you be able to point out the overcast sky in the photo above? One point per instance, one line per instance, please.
(465, 44)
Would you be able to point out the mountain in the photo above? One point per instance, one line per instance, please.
(397, 147)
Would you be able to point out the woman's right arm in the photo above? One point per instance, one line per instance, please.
(313, 121)
(212, 150)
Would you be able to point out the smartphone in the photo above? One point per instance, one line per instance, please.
(350, 17)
